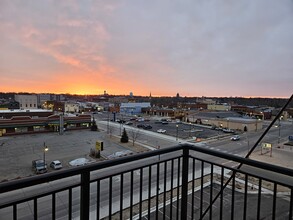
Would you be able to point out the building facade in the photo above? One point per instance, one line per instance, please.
(27, 101)
(72, 107)
(133, 107)
(27, 124)
(219, 107)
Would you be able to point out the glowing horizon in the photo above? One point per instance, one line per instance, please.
(216, 49)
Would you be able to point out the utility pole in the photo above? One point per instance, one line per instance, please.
(279, 131)
(45, 150)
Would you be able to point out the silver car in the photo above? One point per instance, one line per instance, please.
(56, 165)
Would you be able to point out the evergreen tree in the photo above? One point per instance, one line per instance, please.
(94, 126)
(124, 137)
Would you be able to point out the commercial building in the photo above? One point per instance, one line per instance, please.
(219, 107)
(133, 107)
(27, 124)
(27, 101)
(34, 113)
(226, 119)
(72, 107)
(165, 112)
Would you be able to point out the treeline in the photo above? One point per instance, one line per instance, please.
(273, 102)
(177, 100)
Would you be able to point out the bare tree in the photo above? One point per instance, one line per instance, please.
(134, 134)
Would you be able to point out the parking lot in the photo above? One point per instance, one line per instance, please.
(181, 130)
(18, 152)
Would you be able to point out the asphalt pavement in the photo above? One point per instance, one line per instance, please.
(18, 152)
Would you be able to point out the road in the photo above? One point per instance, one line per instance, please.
(151, 139)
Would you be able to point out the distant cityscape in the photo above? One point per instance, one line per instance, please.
(27, 113)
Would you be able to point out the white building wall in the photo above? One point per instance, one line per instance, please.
(27, 101)
(219, 107)
(72, 107)
(133, 107)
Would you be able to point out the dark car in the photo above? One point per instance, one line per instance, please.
(39, 166)
(140, 126)
(147, 127)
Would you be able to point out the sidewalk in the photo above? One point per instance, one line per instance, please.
(282, 156)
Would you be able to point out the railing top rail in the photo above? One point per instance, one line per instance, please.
(245, 161)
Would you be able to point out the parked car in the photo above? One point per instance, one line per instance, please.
(235, 138)
(161, 131)
(140, 119)
(129, 123)
(56, 165)
(147, 127)
(164, 123)
(228, 130)
(39, 166)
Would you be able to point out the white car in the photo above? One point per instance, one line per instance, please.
(161, 131)
(235, 138)
(56, 165)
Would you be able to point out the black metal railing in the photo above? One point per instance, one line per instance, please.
(180, 182)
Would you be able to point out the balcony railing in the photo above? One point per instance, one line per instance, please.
(180, 182)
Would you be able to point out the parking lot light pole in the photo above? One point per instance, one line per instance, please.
(279, 137)
(176, 132)
(45, 150)
(189, 129)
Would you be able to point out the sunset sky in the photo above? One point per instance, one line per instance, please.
(190, 47)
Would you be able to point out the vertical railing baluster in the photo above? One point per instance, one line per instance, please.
(158, 190)
(121, 195)
(85, 195)
(149, 192)
(184, 190)
(35, 208)
(274, 202)
(165, 189)
(53, 206)
(222, 192)
(171, 196)
(98, 199)
(245, 197)
(110, 197)
(178, 186)
(211, 191)
(291, 205)
(131, 193)
(14, 212)
(201, 189)
(259, 199)
(192, 194)
(70, 203)
(140, 192)
(233, 195)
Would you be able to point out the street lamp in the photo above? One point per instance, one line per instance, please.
(279, 131)
(176, 132)
(45, 150)
(189, 129)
